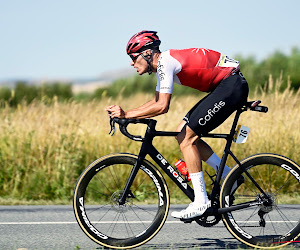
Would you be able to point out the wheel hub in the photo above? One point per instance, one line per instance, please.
(269, 202)
(115, 197)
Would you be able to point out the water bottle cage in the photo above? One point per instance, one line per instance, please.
(212, 178)
(185, 179)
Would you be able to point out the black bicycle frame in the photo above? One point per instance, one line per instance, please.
(147, 148)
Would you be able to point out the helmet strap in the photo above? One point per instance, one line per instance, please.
(148, 59)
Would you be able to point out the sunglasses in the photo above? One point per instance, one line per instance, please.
(133, 58)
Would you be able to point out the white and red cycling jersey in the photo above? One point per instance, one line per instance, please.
(198, 68)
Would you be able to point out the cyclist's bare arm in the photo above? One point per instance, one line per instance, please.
(159, 105)
(150, 103)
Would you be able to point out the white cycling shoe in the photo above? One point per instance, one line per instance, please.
(192, 211)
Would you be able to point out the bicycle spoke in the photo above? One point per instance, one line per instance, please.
(260, 178)
(251, 188)
(288, 181)
(102, 182)
(97, 209)
(138, 218)
(100, 193)
(143, 209)
(104, 214)
(270, 221)
(117, 182)
(115, 223)
(142, 195)
(284, 217)
(127, 227)
(141, 183)
(251, 216)
(270, 175)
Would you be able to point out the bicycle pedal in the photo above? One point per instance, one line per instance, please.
(187, 220)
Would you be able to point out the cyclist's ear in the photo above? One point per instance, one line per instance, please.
(147, 52)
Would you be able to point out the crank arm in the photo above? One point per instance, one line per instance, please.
(208, 212)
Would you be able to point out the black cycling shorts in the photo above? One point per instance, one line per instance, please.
(217, 106)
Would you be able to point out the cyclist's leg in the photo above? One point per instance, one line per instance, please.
(204, 149)
(187, 141)
(206, 153)
(230, 94)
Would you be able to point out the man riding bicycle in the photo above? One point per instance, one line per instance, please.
(202, 69)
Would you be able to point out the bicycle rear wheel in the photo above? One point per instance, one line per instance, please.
(275, 222)
(99, 213)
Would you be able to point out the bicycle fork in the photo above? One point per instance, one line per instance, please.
(147, 141)
(132, 175)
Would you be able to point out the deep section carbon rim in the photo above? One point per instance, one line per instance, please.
(97, 208)
(274, 220)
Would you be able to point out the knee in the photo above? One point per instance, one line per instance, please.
(181, 130)
(186, 138)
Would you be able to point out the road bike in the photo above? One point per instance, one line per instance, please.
(122, 200)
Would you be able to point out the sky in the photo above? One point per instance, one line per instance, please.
(84, 39)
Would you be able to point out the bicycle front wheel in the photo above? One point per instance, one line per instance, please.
(274, 221)
(97, 208)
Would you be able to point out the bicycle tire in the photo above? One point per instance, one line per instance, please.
(271, 224)
(109, 224)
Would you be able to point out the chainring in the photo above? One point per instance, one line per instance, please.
(210, 220)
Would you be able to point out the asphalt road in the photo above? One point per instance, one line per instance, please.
(55, 227)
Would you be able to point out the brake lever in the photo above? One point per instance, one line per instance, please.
(112, 127)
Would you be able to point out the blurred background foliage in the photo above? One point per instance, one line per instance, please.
(277, 65)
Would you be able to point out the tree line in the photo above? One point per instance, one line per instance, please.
(278, 64)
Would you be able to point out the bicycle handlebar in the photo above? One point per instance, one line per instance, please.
(123, 123)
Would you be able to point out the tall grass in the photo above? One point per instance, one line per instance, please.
(44, 148)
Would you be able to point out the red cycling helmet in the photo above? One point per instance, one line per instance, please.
(142, 41)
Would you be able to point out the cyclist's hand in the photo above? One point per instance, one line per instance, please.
(115, 111)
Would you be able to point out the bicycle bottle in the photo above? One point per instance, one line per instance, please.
(182, 168)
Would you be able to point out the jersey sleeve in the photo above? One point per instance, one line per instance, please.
(157, 84)
(166, 68)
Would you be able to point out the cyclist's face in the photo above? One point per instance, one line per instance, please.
(140, 64)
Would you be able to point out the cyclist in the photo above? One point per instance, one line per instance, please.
(202, 69)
